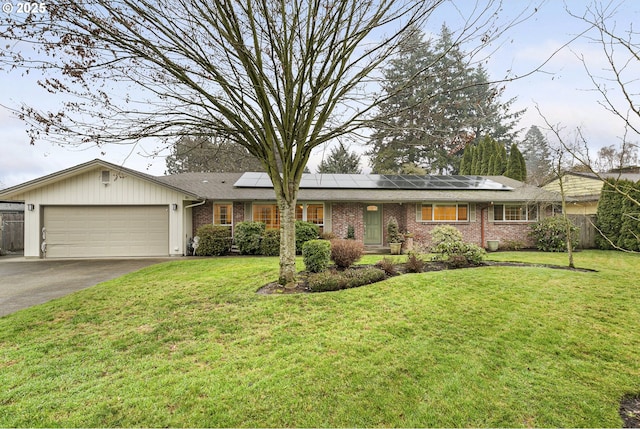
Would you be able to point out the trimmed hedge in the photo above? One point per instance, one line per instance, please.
(270, 244)
(248, 236)
(305, 231)
(213, 240)
(327, 281)
(315, 255)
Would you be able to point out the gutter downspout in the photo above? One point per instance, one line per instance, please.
(185, 244)
(195, 204)
(482, 234)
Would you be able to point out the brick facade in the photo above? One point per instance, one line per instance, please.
(345, 214)
(202, 215)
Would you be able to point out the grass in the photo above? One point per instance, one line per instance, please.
(189, 343)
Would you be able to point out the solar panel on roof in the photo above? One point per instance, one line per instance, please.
(378, 181)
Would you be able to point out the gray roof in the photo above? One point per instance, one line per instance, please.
(634, 177)
(220, 186)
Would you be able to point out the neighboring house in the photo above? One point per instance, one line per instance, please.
(582, 190)
(11, 227)
(99, 209)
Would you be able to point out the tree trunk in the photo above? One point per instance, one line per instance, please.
(287, 242)
(567, 223)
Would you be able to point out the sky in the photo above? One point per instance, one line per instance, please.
(561, 90)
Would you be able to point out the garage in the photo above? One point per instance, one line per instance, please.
(106, 231)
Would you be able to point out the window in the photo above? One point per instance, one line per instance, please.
(315, 213)
(428, 212)
(223, 214)
(270, 214)
(515, 213)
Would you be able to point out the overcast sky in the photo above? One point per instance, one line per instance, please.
(562, 90)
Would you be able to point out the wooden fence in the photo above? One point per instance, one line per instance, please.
(12, 225)
(588, 231)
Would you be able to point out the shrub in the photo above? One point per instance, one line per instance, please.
(550, 234)
(414, 263)
(213, 240)
(248, 236)
(513, 245)
(388, 266)
(473, 254)
(443, 237)
(393, 231)
(448, 244)
(316, 254)
(305, 231)
(328, 236)
(345, 252)
(332, 280)
(351, 233)
(325, 281)
(270, 243)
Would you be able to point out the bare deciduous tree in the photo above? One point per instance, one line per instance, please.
(278, 77)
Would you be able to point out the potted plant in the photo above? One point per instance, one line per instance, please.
(394, 236)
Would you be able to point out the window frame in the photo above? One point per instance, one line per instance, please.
(526, 209)
(216, 213)
(432, 208)
(304, 206)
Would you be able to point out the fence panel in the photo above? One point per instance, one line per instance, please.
(588, 231)
(12, 232)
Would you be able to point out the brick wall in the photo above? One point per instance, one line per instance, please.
(202, 215)
(471, 231)
(345, 214)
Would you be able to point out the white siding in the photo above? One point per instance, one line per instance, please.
(87, 189)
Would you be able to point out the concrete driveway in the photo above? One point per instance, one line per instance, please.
(24, 283)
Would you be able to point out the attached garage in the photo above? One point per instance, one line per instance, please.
(106, 231)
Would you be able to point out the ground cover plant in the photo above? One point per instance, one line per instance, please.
(190, 343)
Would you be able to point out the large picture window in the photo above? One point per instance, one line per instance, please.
(269, 214)
(223, 214)
(437, 212)
(515, 213)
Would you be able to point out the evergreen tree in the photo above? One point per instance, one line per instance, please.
(537, 155)
(516, 167)
(487, 158)
(630, 231)
(610, 215)
(448, 104)
(467, 160)
(204, 154)
(340, 161)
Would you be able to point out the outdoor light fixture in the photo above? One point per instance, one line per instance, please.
(174, 207)
(30, 207)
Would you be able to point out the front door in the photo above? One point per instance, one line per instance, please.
(373, 224)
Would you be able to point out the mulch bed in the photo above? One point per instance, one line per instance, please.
(630, 411)
(301, 285)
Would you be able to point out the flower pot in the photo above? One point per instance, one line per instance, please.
(395, 248)
(492, 245)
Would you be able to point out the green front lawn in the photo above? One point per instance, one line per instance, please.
(190, 343)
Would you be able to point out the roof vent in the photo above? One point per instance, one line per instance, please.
(105, 177)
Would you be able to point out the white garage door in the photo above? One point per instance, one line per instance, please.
(105, 231)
